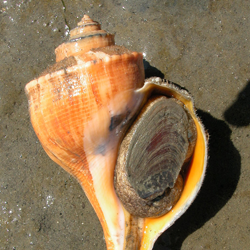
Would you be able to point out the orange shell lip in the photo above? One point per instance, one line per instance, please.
(153, 227)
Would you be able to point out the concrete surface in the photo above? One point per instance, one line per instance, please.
(201, 45)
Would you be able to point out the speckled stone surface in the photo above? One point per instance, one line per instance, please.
(201, 45)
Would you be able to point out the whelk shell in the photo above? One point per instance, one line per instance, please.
(82, 107)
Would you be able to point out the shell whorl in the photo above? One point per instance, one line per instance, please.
(86, 36)
(91, 81)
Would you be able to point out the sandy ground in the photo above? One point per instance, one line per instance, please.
(201, 45)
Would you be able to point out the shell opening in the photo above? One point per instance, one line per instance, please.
(148, 175)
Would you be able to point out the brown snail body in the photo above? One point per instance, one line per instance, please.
(82, 109)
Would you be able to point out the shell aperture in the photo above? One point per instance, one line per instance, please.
(153, 153)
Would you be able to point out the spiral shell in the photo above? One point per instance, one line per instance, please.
(81, 109)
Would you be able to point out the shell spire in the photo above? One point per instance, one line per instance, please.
(86, 25)
(86, 36)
